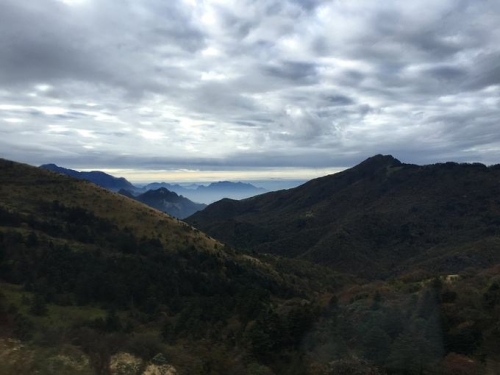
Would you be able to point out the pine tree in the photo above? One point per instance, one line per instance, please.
(38, 306)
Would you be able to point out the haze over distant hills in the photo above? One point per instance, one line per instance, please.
(212, 192)
(194, 192)
(380, 217)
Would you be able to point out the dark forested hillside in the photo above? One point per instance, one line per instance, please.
(380, 218)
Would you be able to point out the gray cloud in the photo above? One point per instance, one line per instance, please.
(296, 72)
(248, 84)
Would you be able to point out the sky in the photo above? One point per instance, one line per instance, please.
(192, 90)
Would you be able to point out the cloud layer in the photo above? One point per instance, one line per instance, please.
(248, 85)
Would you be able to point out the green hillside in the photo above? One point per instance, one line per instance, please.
(380, 218)
(80, 264)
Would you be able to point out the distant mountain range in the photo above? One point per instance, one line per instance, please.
(377, 218)
(181, 200)
(167, 201)
(211, 193)
(160, 198)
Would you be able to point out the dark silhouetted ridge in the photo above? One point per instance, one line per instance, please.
(97, 177)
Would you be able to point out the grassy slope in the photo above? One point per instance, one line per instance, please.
(24, 188)
(27, 190)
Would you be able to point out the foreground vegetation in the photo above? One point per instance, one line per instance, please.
(431, 326)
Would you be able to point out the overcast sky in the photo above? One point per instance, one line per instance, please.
(268, 88)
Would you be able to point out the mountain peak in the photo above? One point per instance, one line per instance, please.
(161, 192)
(382, 159)
(377, 162)
(164, 190)
(170, 202)
(50, 165)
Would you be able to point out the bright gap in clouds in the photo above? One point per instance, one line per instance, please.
(184, 175)
(73, 2)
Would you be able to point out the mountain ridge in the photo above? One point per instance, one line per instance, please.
(371, 218)
(98, 177)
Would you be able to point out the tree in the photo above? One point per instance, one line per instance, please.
(167, 332)
(377, 345)
(258, 340)
(351, 366)
(492, 296)
(377, 301)
(412, 353)
(23, 327)
(404, 357)
(37, 305)
(4, 316)
(299, 321)
(112, 321)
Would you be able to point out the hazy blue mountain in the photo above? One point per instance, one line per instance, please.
(193, 192)
(229, 186)
(172, 187)
(224, 189)
(210, 193)
(97, 177)
(167, 201)
(277, 184)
